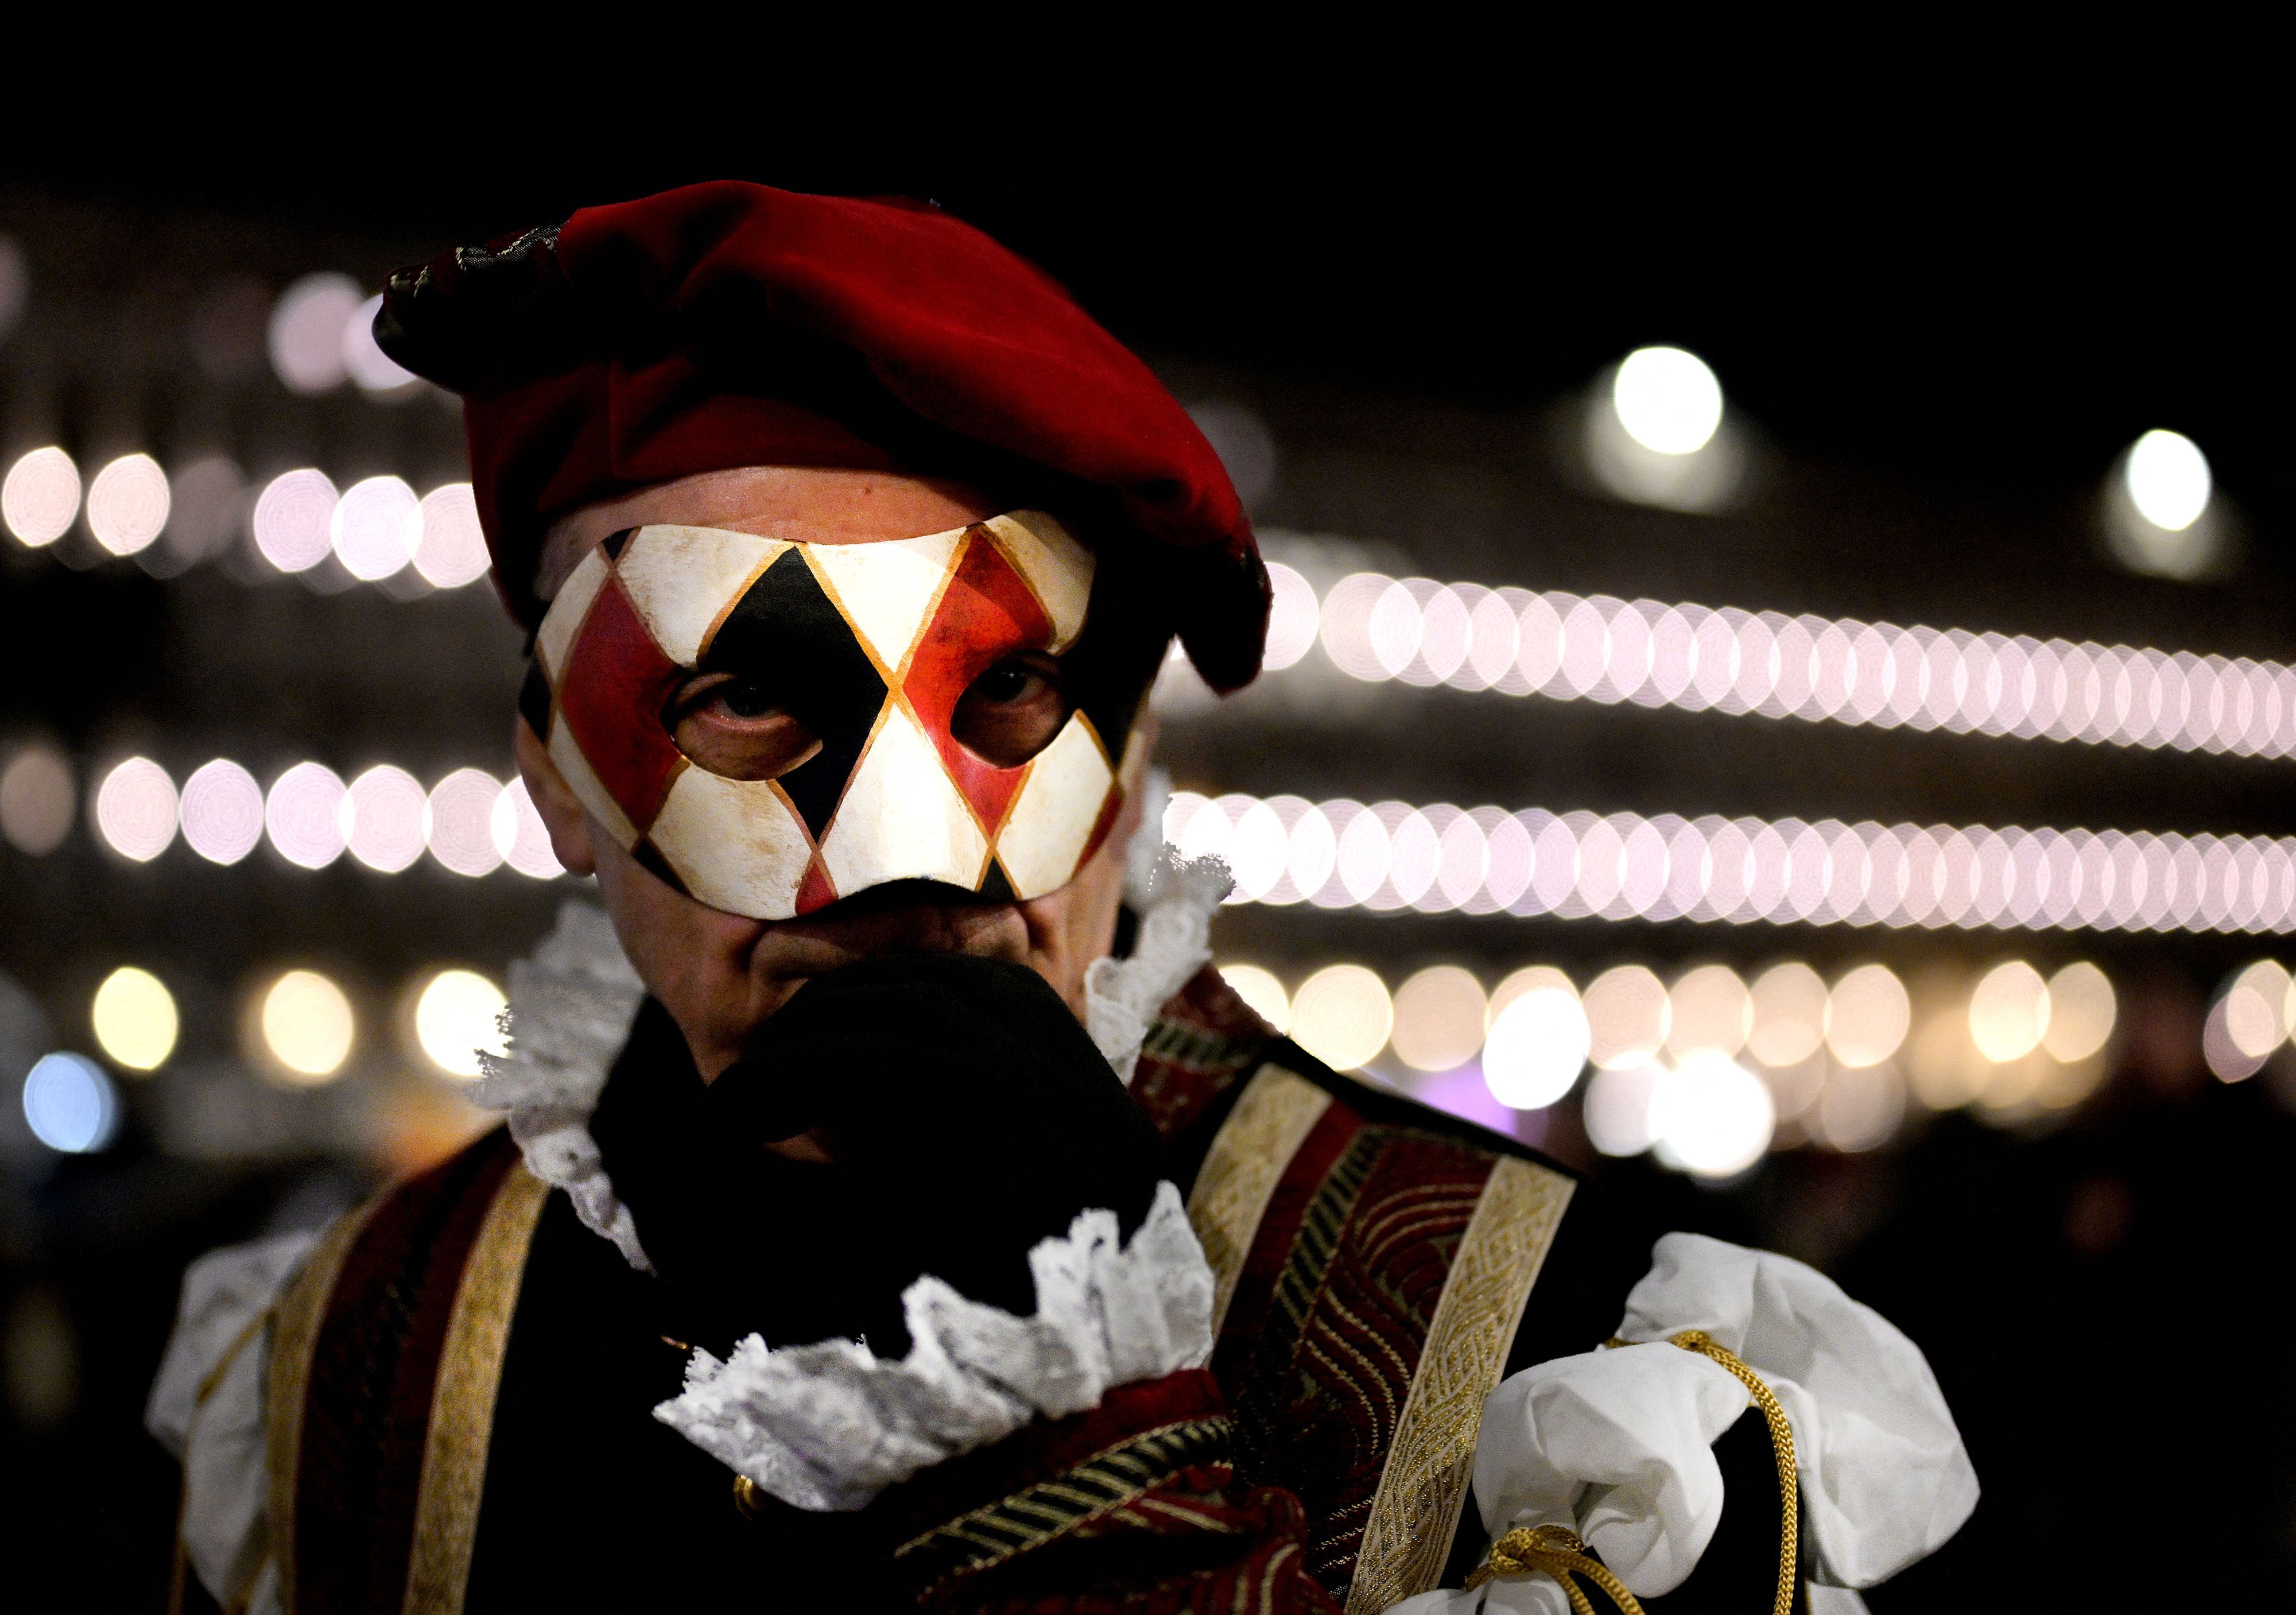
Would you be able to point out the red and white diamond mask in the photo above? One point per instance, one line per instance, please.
(869, 645)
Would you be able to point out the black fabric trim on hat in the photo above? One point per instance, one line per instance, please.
(786, 633)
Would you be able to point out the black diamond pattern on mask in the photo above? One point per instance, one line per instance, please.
(786, 634)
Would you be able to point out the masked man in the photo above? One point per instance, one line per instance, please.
(894, 1210)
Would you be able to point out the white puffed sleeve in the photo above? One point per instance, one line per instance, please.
(1885, 1480)
(207, 1408)
(1617, 1445)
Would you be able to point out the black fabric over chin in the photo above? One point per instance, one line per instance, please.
(786, 633)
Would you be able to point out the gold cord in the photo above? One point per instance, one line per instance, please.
(1559, 1553)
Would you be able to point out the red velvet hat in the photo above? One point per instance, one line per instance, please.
(729, 324)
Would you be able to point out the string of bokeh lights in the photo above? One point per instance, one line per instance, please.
(1372, 627)
(1696, 659)
(1390, 856)
(468, 822)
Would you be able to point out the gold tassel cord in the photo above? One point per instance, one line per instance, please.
(1558, 1553)
(1553, 1551)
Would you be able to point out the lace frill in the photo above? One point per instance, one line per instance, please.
(571, 1003)
(827, 1427)
(1174, 898)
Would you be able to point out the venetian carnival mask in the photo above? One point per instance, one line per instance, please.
(883, 665)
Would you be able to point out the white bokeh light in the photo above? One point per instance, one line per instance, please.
(375, 528)
(2009, 1011)
(308, 325)
(128, 504)
(521, 836)
(1710, 1117)
(460, 821)
(302, 813)
(1667, 399)
(383, 815)
(39, 499)
(1536, 1047)
(1342, 1015)
(454, 547)
(136, 810)
(294, 520)
(1262, 990)
(2167, 479)
(307, 1026)
(222, 811)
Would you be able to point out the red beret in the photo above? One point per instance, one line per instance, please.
(730, 324)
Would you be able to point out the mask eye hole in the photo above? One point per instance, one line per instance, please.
(732, 724)
(1011, 712)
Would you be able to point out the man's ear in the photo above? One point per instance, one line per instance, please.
(554, 800)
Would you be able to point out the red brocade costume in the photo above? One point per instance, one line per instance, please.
(458, 1358)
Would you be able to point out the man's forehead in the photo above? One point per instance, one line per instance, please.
(801, 504)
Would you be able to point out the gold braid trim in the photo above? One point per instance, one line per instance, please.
(1552, 1550)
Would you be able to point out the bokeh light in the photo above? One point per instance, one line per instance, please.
(39, 498)
(1617, 1108)
(136, 810)
(456, 1018)
(1536, 1046)
(2167, 479)
(452, 551)
(38, 796)
(521, 836)
(71, 1104)
(1867, 1016)
(1709, 1007)
(1710, 1117)
(1342, 1015)
(2256, 1009)
(1293, 617)
(1860, 1107)
(2226, 1058)
(1262, 990)
(2081, 1012)
(306, 332)
(128, 504)
(375, 528)
(221, 811)
(460, 823)
(2009, 1011)
(1438, 1019)
(382, 817)
(1529, 979)
(293, 519)
(306, 1026)
(376, 372)
(1627, 1014)
(205, 506)
(1667, 399)
(303, 815)
(1789, 1003)
(134, 1015)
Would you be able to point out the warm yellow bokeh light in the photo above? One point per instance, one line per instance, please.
(1789, 1014)
(307, 1026)
(2009, 1013)
(1530, 978)
(134, 1018)
(2081, 1012)
(1867, 1018)
(2256, 1009)
(1710, 1008)
(1342, 1015)
(456, 1018)
(1438, 1019)
(1627, 1016)
(1262, 991)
